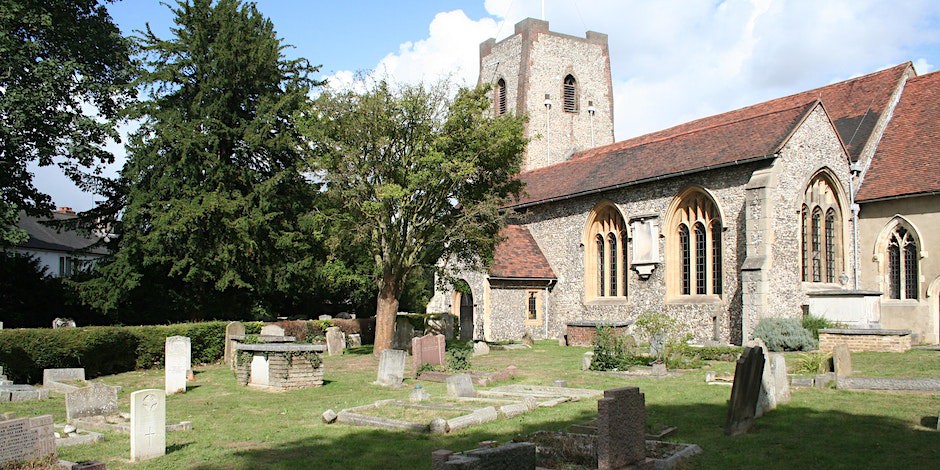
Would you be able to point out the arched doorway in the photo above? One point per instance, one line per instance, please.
(463, 309)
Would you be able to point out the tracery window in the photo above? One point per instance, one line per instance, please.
(500, 97)
(605, 253)
(694, 259)
(821, 234)
(570, 94)
(903, 274)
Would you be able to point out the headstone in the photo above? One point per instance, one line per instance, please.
(62, 375)
(842, 361)
(404, 332)
(178, 361)
(272, 329)
(560, 383)
(97, 399)
(778, 366)
(232, 329)
(767, 400)
(25, 439)
(586, 360)
(659, 368)
(562, 340)
(427, 349)
(621, 428)
(745, 391)
(335, 340)
(324, 317)
(148, 424)
(460, 385)
(527, 339)
(354, 340)
(391, 368)
(480, 348)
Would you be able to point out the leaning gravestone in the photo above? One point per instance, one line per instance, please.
(767, 400)
(745, 391)
(97, 399)
(391, 368)
(428, 349)
(148, 424)
(335, 340)
(178, 362)
(460, 386)
(842, 361)
(234, 328)
(23, 439)
(621, 428)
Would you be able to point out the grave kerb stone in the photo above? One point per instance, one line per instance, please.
(148, 424)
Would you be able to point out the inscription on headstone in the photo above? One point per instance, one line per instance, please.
(427, 349)
(26, 439)
(177, 363)
(391, 367)
(96, 399)
(148, 424)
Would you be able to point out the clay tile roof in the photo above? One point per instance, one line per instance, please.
(854, 106)
(518, 256)
(748, 139)
(907, 160)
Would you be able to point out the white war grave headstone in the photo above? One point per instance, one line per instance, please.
(178, 361)
(148, 424)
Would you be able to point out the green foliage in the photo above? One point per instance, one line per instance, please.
(102, 350)
(811, 363)
(657, 327)
(30, 297)
(419, 175)
(813, 324)
(459, 354)
(10, 235)
(212, 196)
(609, 349)
(784, 334)
(61, 59)
(717, 353)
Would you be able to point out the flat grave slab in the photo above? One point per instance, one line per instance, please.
(479, 378)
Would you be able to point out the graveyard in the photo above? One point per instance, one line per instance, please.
(233, 426)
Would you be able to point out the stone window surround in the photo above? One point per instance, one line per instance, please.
(822, 195)
(574, 91)
(604, 220)
(539, 307)
(881, 259)
(707, 216)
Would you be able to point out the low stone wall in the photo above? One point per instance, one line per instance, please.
(865, 340)
(583, 333)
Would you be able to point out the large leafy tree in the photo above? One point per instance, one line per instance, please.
(63, 67)
(212, 195)
(421, 173)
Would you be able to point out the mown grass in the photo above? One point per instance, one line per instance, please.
(241, 428)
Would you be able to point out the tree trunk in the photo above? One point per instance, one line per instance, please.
(385, 311)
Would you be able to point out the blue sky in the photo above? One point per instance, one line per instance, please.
(671, 60)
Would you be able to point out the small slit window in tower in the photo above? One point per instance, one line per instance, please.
(570, 93)
(501, 97)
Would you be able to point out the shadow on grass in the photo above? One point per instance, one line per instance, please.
(360, 351)
(789, 437)
(177, 447)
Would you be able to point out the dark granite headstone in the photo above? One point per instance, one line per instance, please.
(745, 391)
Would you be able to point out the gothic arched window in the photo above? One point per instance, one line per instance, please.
(500, 97)
(902, 272)
(570, 94)
(821, 233)
(605, 253)
(694, 258)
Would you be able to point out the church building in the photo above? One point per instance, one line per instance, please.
(802, 204)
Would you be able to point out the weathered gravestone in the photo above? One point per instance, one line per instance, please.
(234, 328)
(97, 399)
(335, 340)
(460, 385)
(24, 439)
(354, 340)
(62, 375)
(427, 349)
(178, 361)
(391, 368)
(842, 361)
(745, 391)
(480, 348)
(778, 367)
(621, 428)
(767, 400)
(404, 332)
(148, 424)
(272, 329)
(325, 317)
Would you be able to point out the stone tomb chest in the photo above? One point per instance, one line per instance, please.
(279, 366)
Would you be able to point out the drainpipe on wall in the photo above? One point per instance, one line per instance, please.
(856, 170)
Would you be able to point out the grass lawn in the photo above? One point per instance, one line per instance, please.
(240, 428)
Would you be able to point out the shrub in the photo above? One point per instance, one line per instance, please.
(718, 353)
(102, 350)
(811, 363)
(813, 324)
(364, 327)
(459, 354)
(609, 349)
(657, 327)
(784, 334)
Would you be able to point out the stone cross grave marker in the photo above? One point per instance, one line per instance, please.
(335, 340)
(621, 428)
(842, 360)
(460, 385)
(428, 349)
(745, 391)
(232, 329)
(391, 368)
(148, 424)
(272, 329)
(96, 399)
(26, 439)
(178, 362)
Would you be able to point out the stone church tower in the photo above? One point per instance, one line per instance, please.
(562, 82)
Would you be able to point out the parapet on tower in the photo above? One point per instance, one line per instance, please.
(562, 82)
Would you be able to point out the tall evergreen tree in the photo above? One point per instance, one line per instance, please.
(212, 193)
